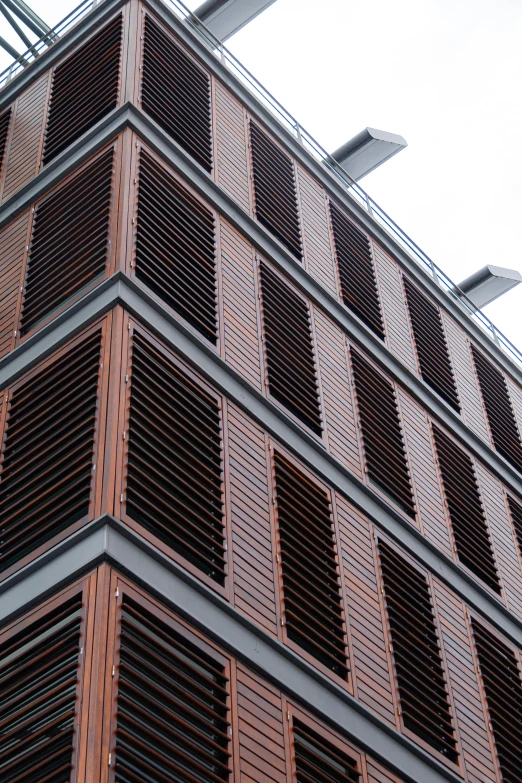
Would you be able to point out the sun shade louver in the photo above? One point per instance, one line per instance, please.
(70, 241)
(46, 473)
(84, 89)
(382, 434)
(175, 463)
(502, 422)
(172, 716)
(176, 248)
(38, 682)
(275, 191)
(465, 509)
(516, 515)
(356, 270)
(290, 356)
(176, 93)
(318, 761)
(430, 341)
(5, 119)
(416, 653)
(501, 677)
(312, 600)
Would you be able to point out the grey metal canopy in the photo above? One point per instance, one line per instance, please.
(226, 17)
(483, 287)
(368, 150)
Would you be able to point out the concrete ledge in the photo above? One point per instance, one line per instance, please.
(107, 539)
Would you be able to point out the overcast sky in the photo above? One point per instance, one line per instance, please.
(445, 74)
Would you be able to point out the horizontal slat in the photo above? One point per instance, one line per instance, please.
(84, 89)
(175, 92)
(318, 761)
(416, 651)
(175, 470)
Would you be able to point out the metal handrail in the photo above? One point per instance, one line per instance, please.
(292, 126)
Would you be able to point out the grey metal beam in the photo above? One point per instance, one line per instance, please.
(224, 18)
(108, 539)
(11, 50)
(28, 17)
(129, 116)
(121, 290)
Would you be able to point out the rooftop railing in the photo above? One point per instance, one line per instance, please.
(306, 140)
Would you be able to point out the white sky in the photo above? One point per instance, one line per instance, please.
(445, 74)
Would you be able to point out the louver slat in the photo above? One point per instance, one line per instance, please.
(176, 93)
(84, 89)
(431, 345)
(516, 515)
(356, 270)
(69, 243)
(175, 470)
(38, 680)
(47, 463)
(275, 192)
(175, 247)
(312, 601)
(289, 349)
(416, 652)
(318, 761)
(502, 422)
(5, 119)
(466, 510)
(172, 722)
(382, 435)
(501, 677)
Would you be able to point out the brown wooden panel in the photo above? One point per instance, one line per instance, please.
(13, 240)
(240, 316)
(317, 246)
(23, 157)
(398, 333)
(472, 410)
(462, 676)
(515, 392)
(260, 728)
(494, 500)
(371, 664)
(424, 473)
(338, 405)
(254, 591)
(231, 169)
(378, 774)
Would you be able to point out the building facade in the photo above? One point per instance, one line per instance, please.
(261, 477)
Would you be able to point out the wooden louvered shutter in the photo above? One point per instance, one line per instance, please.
(38, 691)
(175, 92)
(430, 341)
(176, 248)
(501, 678)
(466, 511)
(502, 422)
(46, 472)
(172, 710)
(318, 761)
(312, 602)
(175, 461)
(70, 241)
(291, 368)
(382, 434)
(5, 119)
(421, 683)
(356, 270)
(275, 190)
(515, 509)
(84, 89)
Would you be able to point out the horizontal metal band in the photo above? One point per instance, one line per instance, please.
(107, 539)
(121, 290)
